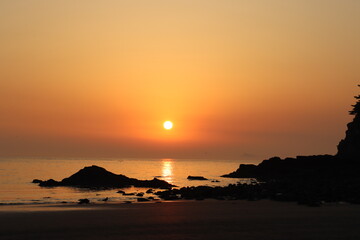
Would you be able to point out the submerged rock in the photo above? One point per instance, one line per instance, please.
(196, 178)
(84, 201)
(98, 177)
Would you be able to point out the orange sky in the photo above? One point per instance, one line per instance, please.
(239, 79)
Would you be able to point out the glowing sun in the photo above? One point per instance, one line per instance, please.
(168, 125)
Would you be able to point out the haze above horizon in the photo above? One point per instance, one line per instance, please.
(238, 79)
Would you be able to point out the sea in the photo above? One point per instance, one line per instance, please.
(16, 175)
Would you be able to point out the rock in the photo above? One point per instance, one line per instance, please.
(105, 199)
(120, 191)
(98, 177)
(128, 194)
(244, 171)
(150, 191)
(36, 181)
(84, 201)
(49, 183)
(140, 194)
(196, 178)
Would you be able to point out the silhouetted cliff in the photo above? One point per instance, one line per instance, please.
(349, 148)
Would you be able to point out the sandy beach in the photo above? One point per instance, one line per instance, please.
(182, 220)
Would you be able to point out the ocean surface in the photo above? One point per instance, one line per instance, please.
(16, 175)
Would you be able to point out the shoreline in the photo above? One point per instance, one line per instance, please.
(209, 219)
(105, 205)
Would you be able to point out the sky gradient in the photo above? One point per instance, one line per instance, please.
(239, 79)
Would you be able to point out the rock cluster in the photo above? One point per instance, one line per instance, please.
(98, 177)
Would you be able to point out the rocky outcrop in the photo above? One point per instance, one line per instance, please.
(244, 171)
(283, 168)
(98, 177)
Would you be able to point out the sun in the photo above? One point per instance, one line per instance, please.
(168, 125)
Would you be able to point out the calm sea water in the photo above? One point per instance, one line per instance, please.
(16, 176)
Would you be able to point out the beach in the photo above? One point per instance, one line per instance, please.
(209, 219)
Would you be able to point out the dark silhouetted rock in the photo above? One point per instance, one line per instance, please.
(105, 199)
(49, 183)
(150, 191)
(98, 177)
(140, 194)
(36, 181)
(120, 191)
(244, 171)
(128, 194)
(196, 178)
(84, 201)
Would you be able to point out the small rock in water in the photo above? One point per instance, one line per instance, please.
(128, 194)
(120, 191)
(150, 191)
(196, 178)
(140, 194)
(84, 201)
(105, 199)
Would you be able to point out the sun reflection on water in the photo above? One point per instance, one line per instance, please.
(167, 169)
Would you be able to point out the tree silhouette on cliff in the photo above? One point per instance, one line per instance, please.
(349, 148)
(356, 108)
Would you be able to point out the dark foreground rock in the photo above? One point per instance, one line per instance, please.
(98, 177)
(201, 178)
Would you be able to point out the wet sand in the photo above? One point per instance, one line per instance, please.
(183, 220)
